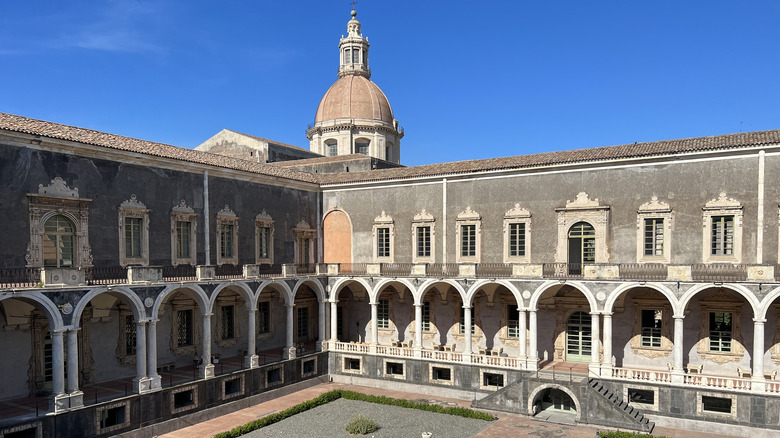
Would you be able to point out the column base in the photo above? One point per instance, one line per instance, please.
(372, 349)
(59, 403)
(532, 364)
(155, 382)
(594, 369)
(252, 361)
(606, 370)
(417, 352)
(290, 353)
(76, 399)
(207, 371)
(758, 385)
(678, 377)
(142, 385)
(323, 346)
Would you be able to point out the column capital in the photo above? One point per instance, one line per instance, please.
(467, 307)
(73, 330)
(419, 304)
(607, 314)
(140, 324)
(678, 316)
(759, 321)
(206, 315)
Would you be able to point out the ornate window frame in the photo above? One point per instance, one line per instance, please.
(133, 208)
(263, 335)
(264, 220)
(583, 209)
(421, 220)
(721, 302)
(183, 213)
(304, 231)
(468, 217)
(517, 215)
(58, 199)
(221, 304)
(721, 206)
(383, 221)
(226, 216)
(654, 209)
(185, 350)
(648, 302)
(121, 348)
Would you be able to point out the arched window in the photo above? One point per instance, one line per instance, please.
(361, 147)
(331, 148)
(58, 242)
(582, 244)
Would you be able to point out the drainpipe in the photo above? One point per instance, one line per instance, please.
(444, 220)
(760, 215)
(206, 216)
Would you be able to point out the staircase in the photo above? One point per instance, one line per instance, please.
(633, 415)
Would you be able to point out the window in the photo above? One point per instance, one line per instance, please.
(718, 405)
(264, 238)
(347, 55)
(228, 328)
(441, 374)
(130, 340)
(227, 237)
(512, 321)
(722, 230)
(356, 56)
(654, 228)
(361, 147)
(383, 314)
(304, 243)
(384, 234)
(394, 368)
(303, 324)
(59, 219)
(423, 238)
(426, 316)
(654, 237)
(331, 148)
(468, 236)
(264, 317)
(582, 232)
(184, 328)
(720, 331)
(494, 380)
(133, 233)
(517, 230)
(652, 322)
(352, 365)
(183, 226)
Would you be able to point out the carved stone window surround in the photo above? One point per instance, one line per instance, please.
(226, 216)
(721, 206)
(226, 301)
(468, 217)
(517, 215)
(647, 302)
(583, 209)
(421, 220)
(721, 302)
(133, 208)
(264, 220)
(185, 304)
(386, 222)
(183, 213)
(304, 232)
(652, 210)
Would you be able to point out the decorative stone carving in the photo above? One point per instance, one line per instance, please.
(582, 209)
(227, 221)
(58, 188)
(654, 209)
(183, 213)
(133, 208)
(722, 206)
(262, 221)
(582, 201)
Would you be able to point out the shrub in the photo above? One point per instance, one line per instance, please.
(361, 425)
(623, 434)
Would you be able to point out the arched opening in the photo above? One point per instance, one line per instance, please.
(551, 401)
(270, 323)
(582, 246)
(337, 238)
(564, 314)
(230, 332)
(578, 337)
(362, 146)
(306, 319)
(645, 328)
(395, 314)
(59, 238)
(331, 148)
(353, 314)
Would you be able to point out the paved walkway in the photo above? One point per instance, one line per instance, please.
(507, 425)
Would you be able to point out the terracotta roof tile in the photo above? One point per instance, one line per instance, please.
(42, 128)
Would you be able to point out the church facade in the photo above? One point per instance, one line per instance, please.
(143, 284)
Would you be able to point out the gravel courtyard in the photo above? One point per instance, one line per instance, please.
(328, 421)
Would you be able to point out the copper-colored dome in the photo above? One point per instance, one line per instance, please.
(355, 97)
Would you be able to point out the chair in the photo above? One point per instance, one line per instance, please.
(497, 351)
(744, 373)
(694, 369)
(770, 375)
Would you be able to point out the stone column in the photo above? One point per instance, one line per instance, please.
(208, 367)
(76, 396)
(58, 371)
(251, 360)
(533, 354)
(522, 336)
(608, 341)
(595, 335)
(677, 357)
(374, 325)
(467, 329)
(323, 335)
(151, 355)
(141, 380)
(290, 343)
(334, 320)
(418, 327)
(759, 384)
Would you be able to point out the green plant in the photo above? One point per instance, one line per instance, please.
(361, 425)
(623, 434)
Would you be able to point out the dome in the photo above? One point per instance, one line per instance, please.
(354, 97)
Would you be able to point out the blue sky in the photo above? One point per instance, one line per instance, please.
(466, 79)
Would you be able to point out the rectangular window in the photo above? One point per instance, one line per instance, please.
(303, 324)
(303, 250)
(383, 314)
(361, 148)
(720, 331)
(722, 235)
(226, 241)
(426, 316)
(462, 325)
(492, 379)
(130, 335)
(184, 325)
(183, 239)
(111, 417)
(228, 321)
(264, 317)
(512, 322)
(442, 374)
(644, 396)
(383, 242)
(133, 237)
(263, 246)
(333, 149)
(654, 237)
(468, 244)
(394, 368)
(651, 328)
(716, 404)
(517, 240)
(423, 241)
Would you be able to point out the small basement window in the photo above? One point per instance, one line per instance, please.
(112, 417)
(644, 396)
(442, 374)
(182, 399)
(308, 367)
(26, 433)
(716, 404)
(274, 375)
(394, 368)
(232, 386)
(491, 379)
(351, 364)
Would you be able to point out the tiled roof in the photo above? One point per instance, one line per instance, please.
(42, 128)
(636, 150)
(265, 140)
(321, 160)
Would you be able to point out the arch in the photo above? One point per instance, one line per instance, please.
(741, 290)
(335, 289)
(472, 291)
(423, 289)
(200, 298)
(278, 286)
(767, 301)
(317, 288)
(534, 302)
(250, 299)
(49, 308)
(615, 294)
(136, 305)
(337, 236)
(536, 392)
(581, 243)
(373, 294)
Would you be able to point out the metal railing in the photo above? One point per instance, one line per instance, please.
(494, 270)
(353, 268)
(718, 272)
(442, 269)
(306, 268)
(106, 275)
(266, 270)
(643, 271)
(20, 277)
(229, 271)
(562, 270)
(396, 269)
(179, 273)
